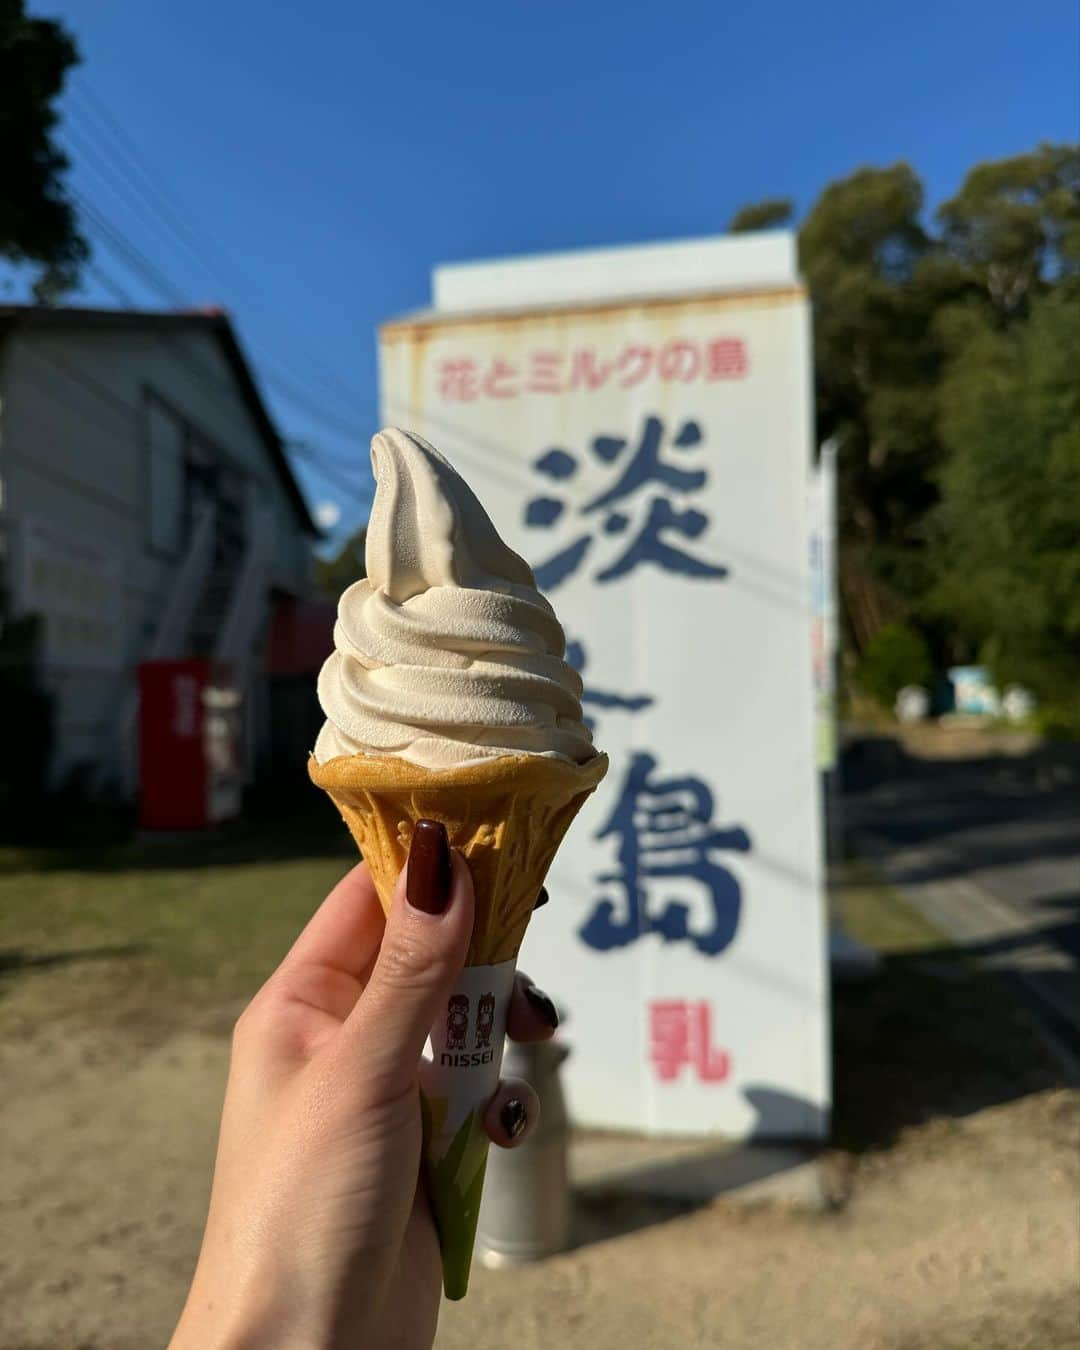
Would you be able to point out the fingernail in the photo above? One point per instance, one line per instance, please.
(542, 1004)
(513, 1117)
(542, 898)
(427, 885)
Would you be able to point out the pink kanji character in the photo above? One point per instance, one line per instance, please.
(725, 359)
(669, 1037)
(586, 370)
(680, 1034)
(544, 372)
(679, 360)
(634, 363)
(457, 381)
(500, 381)
(712, 1065)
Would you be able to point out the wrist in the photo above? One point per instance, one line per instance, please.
(269, 1311)
(210, 1322)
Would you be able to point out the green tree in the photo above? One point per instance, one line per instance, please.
(332, 575)
(766, 215)
(946, 369)
(37, 222)
(897, 655)
(1007, 541)
(1014, 228)
(876, 284)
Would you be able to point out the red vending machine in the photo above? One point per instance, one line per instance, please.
(190, 745)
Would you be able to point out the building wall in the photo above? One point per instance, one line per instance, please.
(85, 448)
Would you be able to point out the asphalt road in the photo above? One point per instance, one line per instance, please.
(1010, 825)
(988, 848)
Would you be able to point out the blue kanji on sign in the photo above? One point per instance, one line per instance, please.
(664, 831)
(640, 490)
(605, 699)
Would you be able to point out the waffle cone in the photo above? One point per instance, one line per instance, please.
(507, 815)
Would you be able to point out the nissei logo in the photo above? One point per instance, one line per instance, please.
(466, 1061)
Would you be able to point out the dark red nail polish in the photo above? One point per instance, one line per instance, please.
(513, 1117)
(427, 886)
(542, 898)
(543, 1005)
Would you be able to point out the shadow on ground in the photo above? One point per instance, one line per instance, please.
(934, 1036)
(16, 960)
(625, 1183)
(309, 831)
(918, 801)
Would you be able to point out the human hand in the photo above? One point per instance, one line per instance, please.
(319, 1233)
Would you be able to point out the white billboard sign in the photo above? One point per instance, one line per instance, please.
(649, 458)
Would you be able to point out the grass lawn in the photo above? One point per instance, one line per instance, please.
(156, 936)
(150, 932)
(876, 916)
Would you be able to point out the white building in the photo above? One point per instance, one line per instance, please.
(147, 511)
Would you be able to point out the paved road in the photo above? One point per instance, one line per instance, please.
(988, 848)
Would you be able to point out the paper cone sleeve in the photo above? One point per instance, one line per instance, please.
(507, 815)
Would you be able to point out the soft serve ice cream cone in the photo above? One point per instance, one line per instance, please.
(448, 697)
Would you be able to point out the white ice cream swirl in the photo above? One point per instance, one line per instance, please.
(446, 653)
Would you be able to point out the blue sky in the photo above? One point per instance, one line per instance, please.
(319, 163)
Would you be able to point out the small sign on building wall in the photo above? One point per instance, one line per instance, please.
(75, 583)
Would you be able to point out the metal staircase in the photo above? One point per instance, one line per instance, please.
(217, 604)
(170, 638)
(247, 603)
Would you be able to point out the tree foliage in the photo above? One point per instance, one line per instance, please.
(766, 215)
(868, 261)
(1007, 533)
(897, 655)
(946, 364)
(37, 221)
(334, 574)
(1014, 228)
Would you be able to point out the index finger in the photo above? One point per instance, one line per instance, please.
(344, 932)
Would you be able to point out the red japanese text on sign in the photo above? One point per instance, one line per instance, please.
(680, 1036)
(463, 379)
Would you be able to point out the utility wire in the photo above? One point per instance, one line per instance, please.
(136, 259)
(488, 458)
(129, 163)
(312, 456)
(124, 407)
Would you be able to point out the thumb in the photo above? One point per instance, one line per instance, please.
(422, 953)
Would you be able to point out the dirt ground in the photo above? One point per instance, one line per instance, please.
(955, 1167)
(964, 1234)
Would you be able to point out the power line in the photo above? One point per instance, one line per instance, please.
(101, 391)
(307, 452)
(136, 259)
(115, 239)
(135, 170)
(131, 253)
(141, 264)
(126, 408)
(318, 460)
(285, 386)
(304, 449)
